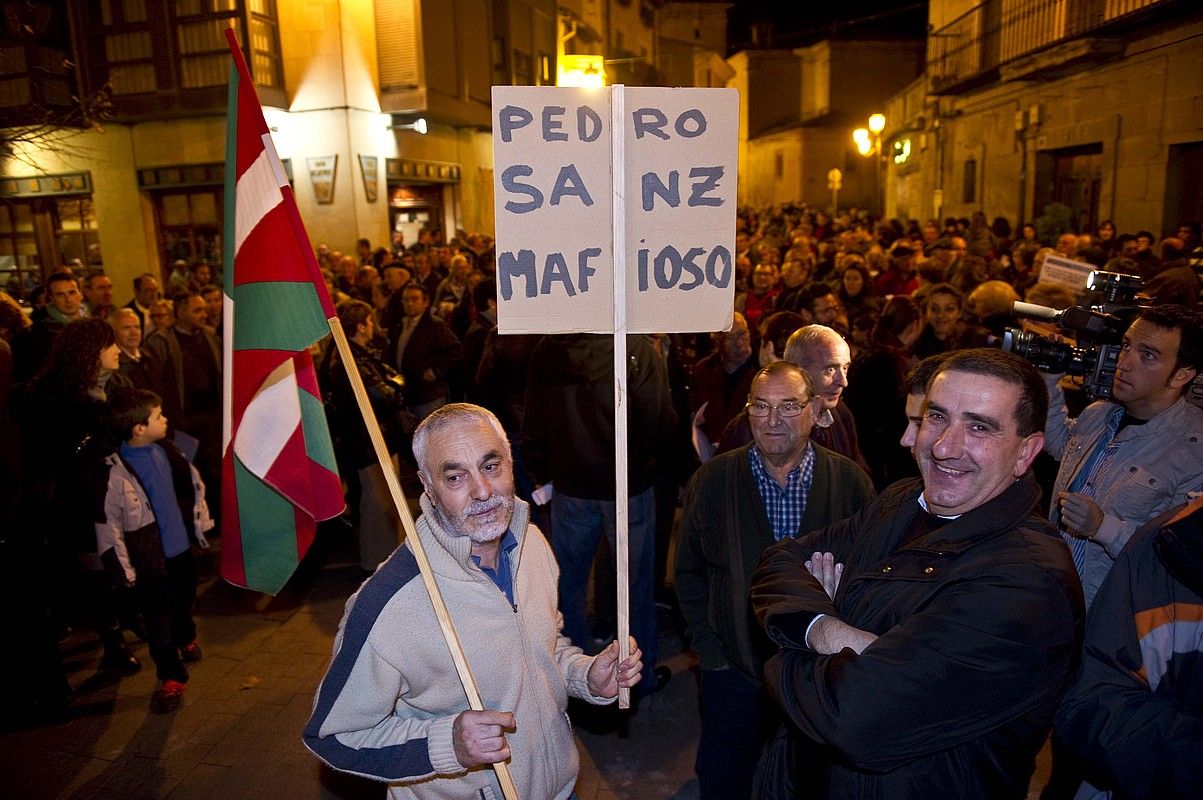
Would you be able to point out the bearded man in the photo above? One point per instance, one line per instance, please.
(391, 707)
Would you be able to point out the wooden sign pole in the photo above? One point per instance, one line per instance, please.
(621, 499)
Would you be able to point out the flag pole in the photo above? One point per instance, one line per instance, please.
(508, 789)
(411, 535)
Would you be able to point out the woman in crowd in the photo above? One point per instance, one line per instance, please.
(944, 328)
(13, 324)
(876, 390)
(65, 433)
(979, 239)
(379, 525)
(1105, 239)
(856, 296)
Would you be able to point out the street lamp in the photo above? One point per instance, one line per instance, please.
(868, 143)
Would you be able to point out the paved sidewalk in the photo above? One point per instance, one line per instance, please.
(237, 734)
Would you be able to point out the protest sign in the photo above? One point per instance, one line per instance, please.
(1066, 272)
(680, 181)
(553, 185)
(587, 179)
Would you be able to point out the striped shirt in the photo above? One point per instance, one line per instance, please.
(784, 506)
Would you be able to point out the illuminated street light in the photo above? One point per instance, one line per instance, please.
(863, 144)
(868, 144)
(585, 71)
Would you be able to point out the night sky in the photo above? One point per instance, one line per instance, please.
(801, 22)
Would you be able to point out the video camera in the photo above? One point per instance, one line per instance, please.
(1098, 330)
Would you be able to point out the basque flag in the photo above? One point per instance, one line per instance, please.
(279, 476)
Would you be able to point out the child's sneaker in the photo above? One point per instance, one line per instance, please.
(190, 654)
(168, 697)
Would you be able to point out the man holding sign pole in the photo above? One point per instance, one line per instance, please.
(390, 707)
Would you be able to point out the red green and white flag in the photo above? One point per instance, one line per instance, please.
(279, 477)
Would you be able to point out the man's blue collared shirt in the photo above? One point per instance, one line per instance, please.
(503, 576)
(784, 507)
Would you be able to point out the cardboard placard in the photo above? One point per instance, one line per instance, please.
(587, 179)
(680, 180)
(1066, 272)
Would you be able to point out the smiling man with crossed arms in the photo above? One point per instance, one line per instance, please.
(931, 666)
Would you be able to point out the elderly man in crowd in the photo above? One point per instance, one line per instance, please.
(391, 707)
(781, 485)
(131, 363)
(826, 357)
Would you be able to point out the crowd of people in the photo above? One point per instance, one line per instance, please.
(886, 531)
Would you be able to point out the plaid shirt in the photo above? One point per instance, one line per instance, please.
(784, 507)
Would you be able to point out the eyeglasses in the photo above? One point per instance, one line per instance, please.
(786, 408)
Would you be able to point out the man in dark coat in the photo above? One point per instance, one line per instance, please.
(720, 381)
(568, 437)
(425, 352)
(926, 640)
(735, 506)
(184, 366)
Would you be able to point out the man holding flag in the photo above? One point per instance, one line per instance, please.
(389, 707)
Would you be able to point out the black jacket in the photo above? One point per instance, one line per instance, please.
(386, 393)
(568, 428)
(979, 624)
(431, 346)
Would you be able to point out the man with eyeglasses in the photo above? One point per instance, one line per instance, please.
(779, 486)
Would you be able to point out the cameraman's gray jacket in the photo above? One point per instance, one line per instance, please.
(1151, 468)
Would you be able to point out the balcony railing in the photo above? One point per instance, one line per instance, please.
(969, 50)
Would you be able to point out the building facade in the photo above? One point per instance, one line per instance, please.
(798, 109)
(136, 182)
(342, 84)
(1094, 104)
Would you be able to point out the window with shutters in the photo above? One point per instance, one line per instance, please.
(397, 42)
(162, 56)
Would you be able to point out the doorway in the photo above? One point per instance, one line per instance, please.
(1072, 176)
(1183, 176)
(414, 208)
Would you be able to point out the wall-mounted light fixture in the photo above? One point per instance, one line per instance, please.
(418, 125)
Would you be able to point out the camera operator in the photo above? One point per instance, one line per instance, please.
(1126, 460)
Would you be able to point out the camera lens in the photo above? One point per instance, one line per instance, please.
(1044, 354)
